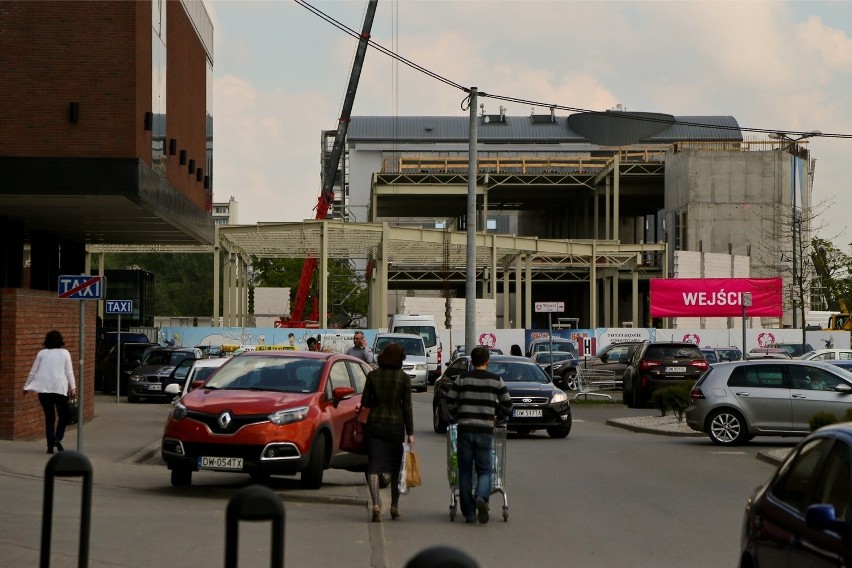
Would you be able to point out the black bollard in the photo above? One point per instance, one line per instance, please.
(442, 557)
(67, 464)
(254, 503)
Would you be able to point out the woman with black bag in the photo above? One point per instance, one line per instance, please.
(52, 377)
(387, 394)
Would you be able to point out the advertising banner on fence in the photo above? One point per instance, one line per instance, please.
(714, 297)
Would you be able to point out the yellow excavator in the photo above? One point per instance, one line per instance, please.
(839, 321)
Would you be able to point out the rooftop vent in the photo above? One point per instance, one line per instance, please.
(493, 118)
(543, 118)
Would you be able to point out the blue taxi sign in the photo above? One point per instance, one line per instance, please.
(82, 287)
(121, 307)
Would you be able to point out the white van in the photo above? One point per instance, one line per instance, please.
(426, 327)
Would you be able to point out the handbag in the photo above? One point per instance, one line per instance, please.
(73, 405)
(352, 436)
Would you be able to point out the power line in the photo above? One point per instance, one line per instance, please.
(529, 102)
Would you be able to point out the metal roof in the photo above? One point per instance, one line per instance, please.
(606, 129)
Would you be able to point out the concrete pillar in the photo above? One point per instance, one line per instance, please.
(606, 281)
(519, 295)
(593, 290)
(635, 294)
(616, 319)
(615, 196)
(217, 271)
(506, 288)
(528, 291)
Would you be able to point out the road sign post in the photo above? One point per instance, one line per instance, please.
(550, 308)
(81, 287)
(118, 307)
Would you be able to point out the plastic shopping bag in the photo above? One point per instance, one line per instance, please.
(402, 482)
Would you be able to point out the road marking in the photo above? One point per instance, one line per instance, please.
(730, 453)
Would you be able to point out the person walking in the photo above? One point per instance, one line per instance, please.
(359, 348)
(52, 377)
(387, 393)
(475, 401)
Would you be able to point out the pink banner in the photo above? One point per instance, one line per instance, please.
(714, 297)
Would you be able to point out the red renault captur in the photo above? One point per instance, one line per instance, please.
(267, 413)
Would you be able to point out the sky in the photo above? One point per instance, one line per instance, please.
(280, 73)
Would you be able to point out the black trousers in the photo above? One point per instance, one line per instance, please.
(54, 405)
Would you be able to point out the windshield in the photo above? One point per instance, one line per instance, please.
(518, 371)
(560, 346)
(282, 374)
(547, 358)
(427, 332)
(410, 345)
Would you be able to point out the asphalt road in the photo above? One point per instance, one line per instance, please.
(604, 496)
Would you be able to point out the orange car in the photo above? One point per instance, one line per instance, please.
(267, 413)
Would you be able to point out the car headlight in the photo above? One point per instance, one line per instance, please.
(420, 367)
(290, 415)
(179, 412)
(137, 378)
(558, 397)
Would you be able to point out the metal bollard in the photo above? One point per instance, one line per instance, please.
(254, 503)
(67, 464)
(442, 557)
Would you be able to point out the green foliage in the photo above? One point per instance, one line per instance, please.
(838, 285)
(674, 399)
(347, 291)
(821, 419)
(183, 283)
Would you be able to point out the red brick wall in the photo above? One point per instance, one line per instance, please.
(25, 316)
(98, 54)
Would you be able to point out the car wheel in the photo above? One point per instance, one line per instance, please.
(727, 428)
(438, 424)
(560, 431)
(569, 381)
(312, 475)
(181, 476)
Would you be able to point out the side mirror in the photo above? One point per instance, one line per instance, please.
(844, 388)
(604, 358)
(172, 388)
(341, 393)
(822, 517)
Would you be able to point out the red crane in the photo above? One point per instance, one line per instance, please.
(327, 193)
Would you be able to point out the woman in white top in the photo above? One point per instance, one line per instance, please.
(52, 377)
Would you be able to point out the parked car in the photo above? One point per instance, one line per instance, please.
(734, 402)
(656, 365)
(131, 357)
(794, 349)
(842, 363)
(559, 344)
(105, 340)
(768, 353)
(537, 403)
(827, 355)
(564, 366)
(460, 349)
(416, 363)
(146, 380)
(189, 374)
(719, 354)
(800, 517)
(268, 413)
(613, 357)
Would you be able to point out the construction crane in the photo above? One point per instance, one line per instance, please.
(840, 321)
(326, 196)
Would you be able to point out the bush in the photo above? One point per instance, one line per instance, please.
(821, 419)
(674, 399)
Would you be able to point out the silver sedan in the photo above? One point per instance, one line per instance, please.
(736, 401)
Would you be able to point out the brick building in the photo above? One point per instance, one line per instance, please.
(106, 138)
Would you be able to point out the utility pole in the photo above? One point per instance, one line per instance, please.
(470, 277)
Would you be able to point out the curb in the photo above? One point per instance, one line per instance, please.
(660, 431)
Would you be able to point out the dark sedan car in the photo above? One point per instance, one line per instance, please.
(131, 357)
(536, 403)
(801, 516)
(657, 365)
(147, 379)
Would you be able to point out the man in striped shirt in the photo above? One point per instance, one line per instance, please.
(473, 401)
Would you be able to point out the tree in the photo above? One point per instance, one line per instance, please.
(183, 282)
(347, 290)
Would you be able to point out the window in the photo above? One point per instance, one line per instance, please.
(761, 376)
(833, 487)
(795, 486)
(359, 376)
(339, 376)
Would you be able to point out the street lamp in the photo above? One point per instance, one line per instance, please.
(791, 145)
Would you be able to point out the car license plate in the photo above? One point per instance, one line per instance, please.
(155, 387)
(527, 413)
(227, 464)
(675, 369)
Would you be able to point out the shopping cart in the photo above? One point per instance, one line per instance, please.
(591, 381)
(498, 468)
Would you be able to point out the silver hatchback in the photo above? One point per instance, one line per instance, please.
(416, 364)
(736, 401)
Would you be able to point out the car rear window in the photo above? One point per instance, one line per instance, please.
(410, 345)
(674, 352)
(425, 331)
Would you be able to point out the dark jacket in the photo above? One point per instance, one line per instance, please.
(388, 395)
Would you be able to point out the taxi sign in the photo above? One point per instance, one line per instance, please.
(122, 307)
(82, 287)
